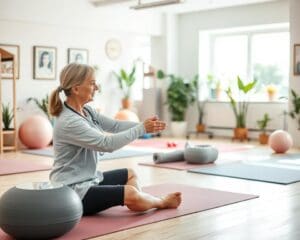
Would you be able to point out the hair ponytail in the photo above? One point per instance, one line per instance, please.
(55, 103)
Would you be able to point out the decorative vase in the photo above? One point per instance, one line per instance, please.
(240, 134)
(178, 129)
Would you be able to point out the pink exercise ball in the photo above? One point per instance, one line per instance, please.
(127, 115)
(36, 132)
(280, 141)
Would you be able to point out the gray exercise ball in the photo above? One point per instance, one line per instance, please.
(200, 154)
(39, 210)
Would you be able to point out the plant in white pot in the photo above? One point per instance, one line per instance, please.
(180, 95)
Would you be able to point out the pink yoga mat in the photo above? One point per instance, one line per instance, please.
(12, 166)
(157, 143)
(115, 219)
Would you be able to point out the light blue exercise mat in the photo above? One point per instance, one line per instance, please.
(48, 152)
(256, 172)
(122, 153)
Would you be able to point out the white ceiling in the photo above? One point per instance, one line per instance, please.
(184, 7)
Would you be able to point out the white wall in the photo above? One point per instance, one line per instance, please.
(70, 24)
(220, 114)
(294, 80)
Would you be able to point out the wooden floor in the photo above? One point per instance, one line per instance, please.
(274, 215)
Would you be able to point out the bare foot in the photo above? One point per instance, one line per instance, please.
(172, 200)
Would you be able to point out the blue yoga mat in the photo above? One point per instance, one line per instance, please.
(122, 153)
(253, 172)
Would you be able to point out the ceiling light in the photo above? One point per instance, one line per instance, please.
(155, 4)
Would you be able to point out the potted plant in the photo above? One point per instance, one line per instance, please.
(126, 81)
(214, 85)
(200, 126)
(7, 117)
(240, 108)
(262, 125)
(295, 112)
(43, 104)
(180, 95)
(271, 90)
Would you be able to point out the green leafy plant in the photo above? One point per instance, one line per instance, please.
(240, 108)
(126, 81)
(179, 95)
(295, 112)
(263, 123)
(43, 104)
(7, 116)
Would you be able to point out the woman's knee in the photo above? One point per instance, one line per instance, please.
(131, 195)
(131, 174)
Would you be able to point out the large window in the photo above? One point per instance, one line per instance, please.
(262, 54)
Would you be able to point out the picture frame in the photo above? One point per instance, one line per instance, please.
(78, 55)
(44, 62)
(6, 67)
(296, 59)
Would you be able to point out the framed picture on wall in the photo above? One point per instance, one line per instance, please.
(78, 55)
(7, 66)
(44, 62)
(297, 59)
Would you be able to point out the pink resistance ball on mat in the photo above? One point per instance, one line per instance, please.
(36, 132)
(127, 115)
(280, 141)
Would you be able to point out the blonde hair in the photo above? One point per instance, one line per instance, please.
(73, 74)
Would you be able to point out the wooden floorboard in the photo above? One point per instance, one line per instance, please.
(274, 215)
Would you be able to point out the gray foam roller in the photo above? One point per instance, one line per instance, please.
(163, 157)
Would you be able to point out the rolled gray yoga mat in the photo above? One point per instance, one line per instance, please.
(163, 157)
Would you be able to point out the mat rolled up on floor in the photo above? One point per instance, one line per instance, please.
(162, 157)
(195, 154)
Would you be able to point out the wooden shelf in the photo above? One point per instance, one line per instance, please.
(7, 56)
(9, 148)
(8, 132)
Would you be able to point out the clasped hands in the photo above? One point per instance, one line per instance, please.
(154, 125)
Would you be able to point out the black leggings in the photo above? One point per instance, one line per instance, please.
(109, 192)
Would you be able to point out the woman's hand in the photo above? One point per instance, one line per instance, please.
(154, 125)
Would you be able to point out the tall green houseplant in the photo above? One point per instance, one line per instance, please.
(240, 108)
(179, 95)
(295, 112)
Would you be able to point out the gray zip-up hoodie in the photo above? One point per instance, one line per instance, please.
(79, 141)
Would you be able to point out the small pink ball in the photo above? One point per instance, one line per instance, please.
(36, 132)
(280, 141)
(127, 115)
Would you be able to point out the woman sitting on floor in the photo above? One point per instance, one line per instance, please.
(79, 138)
